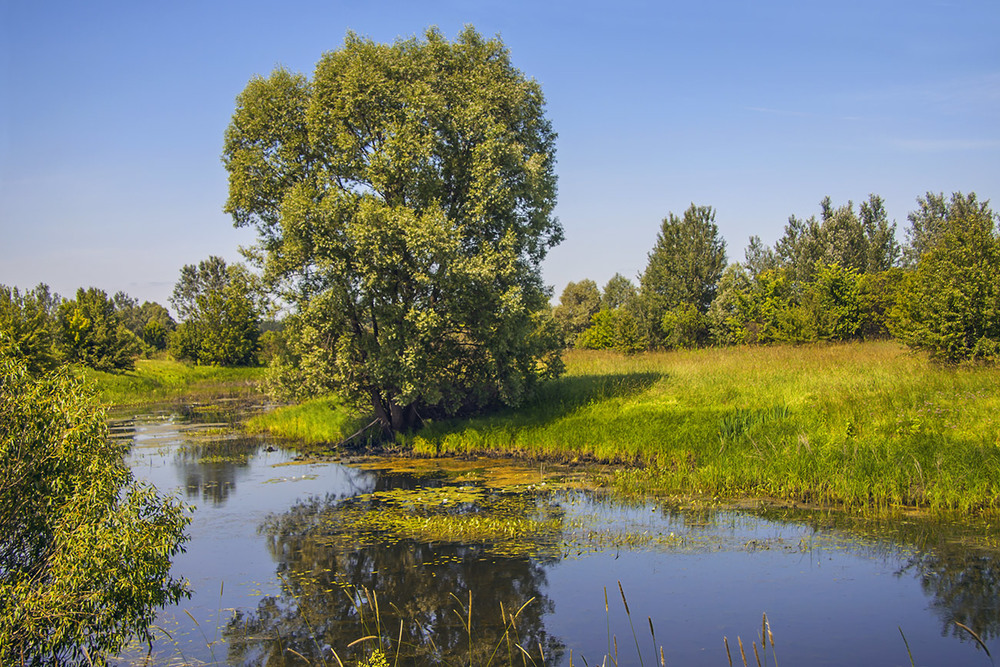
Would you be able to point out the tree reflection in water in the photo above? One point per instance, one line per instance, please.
(957, 565)
(211, 468)
(330, 552)
(964, 585)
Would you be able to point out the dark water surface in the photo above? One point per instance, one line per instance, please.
(282, 555)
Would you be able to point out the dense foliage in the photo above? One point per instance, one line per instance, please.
(92, 330)
(578, 303)
(838, 277)
(403, 198)
(93, 333)
(685, 263)
(28, 326)
(950, 305)
(84, 549)
(220, 314)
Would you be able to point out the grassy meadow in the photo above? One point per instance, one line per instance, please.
(162, 380)
(862, 425)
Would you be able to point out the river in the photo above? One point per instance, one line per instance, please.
(291, 561)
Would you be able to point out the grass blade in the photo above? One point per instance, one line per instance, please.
(976, 637)
(907, 645)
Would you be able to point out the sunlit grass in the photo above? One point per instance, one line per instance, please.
(158, 380)
(864, 425)
(318, 421)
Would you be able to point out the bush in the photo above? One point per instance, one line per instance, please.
(613, 329)
(950, 305)
(84, 549)
(684, 327)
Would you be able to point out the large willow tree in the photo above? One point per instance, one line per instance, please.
(403, 198)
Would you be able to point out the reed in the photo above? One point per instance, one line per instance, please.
(316, 422)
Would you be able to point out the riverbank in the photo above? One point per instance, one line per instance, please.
(163, 380)
(864, 426)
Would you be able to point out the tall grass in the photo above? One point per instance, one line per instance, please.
(160, 380)
(863, 425)
(319, 421)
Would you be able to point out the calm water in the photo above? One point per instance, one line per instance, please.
(279, 568)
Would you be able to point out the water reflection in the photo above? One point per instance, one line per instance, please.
(957, 565)
(211, 469)
(964, 587)
(293, 551)
(422, 587)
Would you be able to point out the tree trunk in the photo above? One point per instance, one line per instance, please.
(393, 416)
(381, 413)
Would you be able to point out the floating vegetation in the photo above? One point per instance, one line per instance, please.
(504, 523)
(300, 478)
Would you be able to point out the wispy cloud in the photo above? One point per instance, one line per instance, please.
(980, 92)
(947, 145)
(780, 112)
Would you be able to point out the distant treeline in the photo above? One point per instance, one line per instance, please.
(837, 277)
(220, 309)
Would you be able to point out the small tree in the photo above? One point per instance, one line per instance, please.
(28, 325)
(615, 329)
(833, 303)
(619, 292)
(84, 549)
(221, 315)
(150, 322)
(92, 333)
(863, 241)
(684, 327)
(929, 222)
(950, 304)
(577, 305)
(156, 325)
(684, 266)
(758, 257)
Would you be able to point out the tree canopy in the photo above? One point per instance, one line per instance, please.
(930, 221)
(683, 271)
(403, 198)
(864, 241)
(28, 326)
(577, 304)
(951, 302)
(93, 333)
(220, 312)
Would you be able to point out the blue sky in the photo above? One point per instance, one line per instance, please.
(112, 116)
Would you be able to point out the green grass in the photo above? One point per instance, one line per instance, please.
(161, 380)
(317, 421)
(862, 425)
(867, 426)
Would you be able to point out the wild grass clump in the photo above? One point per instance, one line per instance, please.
(863, 425)
(318, 421)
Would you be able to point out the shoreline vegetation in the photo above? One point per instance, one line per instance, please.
(162, 380)
(864, 426)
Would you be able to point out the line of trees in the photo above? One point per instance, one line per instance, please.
(220, 309)
(840, 276)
